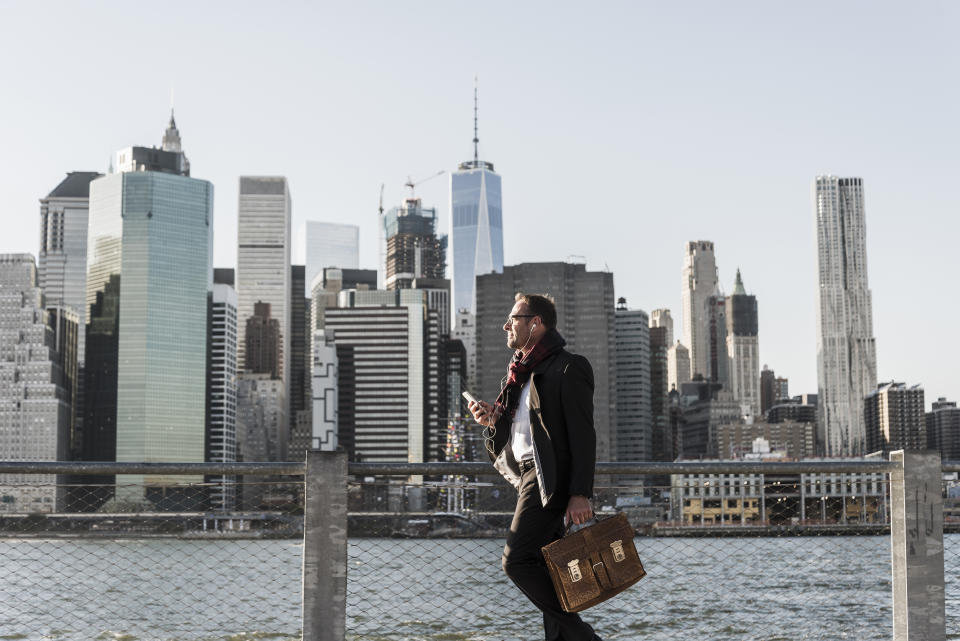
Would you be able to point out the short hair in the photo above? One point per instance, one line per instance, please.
(541, 305)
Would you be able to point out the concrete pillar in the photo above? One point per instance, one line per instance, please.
(916, 533)
(325, 547)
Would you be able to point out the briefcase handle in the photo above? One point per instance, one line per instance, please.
(586, 523)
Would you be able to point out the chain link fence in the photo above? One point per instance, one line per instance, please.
(436, 576)
(728, 556)
(951, 552)
(126, 561)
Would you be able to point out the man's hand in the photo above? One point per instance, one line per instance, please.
(579, 510)
(485, 413)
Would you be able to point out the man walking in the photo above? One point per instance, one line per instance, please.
(540, 437)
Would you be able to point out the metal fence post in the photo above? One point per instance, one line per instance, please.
(916, 537)
(325, 547)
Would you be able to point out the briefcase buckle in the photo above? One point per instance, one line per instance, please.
(574, 568)
(618, 554)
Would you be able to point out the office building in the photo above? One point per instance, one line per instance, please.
(262, 340)
(321, 244)
(662, 318)
(62, 262)
(633, 419)
(326, 288)
(37, 357)
(221, 443)
(454, 356)
(704, 406)
(465, 331)
(943, 429)
(585, 318)
(894, 418)
(743, 349)
(380, 338)
(789, 410)
(476, 224)
(149, 253)
(773, 389)
(718, 361)
(261, 422)
(700, 281)
(659, 389)
(263, 268)
(796, 440)
(262, 430)
(678, 366)
(846, 349)
(301, 400)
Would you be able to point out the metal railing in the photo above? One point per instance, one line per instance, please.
(151, 558)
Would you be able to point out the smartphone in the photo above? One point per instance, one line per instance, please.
(470, 398)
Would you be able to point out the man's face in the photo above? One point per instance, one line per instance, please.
(517, 326)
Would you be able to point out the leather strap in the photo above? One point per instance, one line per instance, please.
(596, 561)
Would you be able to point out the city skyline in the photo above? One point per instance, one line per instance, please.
(636, 168)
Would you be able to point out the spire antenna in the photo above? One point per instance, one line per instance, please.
(476, 139)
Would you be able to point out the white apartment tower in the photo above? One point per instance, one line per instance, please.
(699, 283)
(846, 348)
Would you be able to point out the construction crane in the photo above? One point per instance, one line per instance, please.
(411, 183)
(381, 199)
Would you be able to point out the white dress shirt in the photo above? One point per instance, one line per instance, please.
(521, 439)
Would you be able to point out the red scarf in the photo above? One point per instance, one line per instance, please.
(521, 367)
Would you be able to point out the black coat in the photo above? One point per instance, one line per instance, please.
(564, 439)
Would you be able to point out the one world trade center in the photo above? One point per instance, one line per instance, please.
(476, 224)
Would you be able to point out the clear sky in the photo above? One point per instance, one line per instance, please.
(621, 130)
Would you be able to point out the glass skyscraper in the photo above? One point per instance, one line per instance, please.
(149, 275)
(476, 224)
(153, 232)
(321, 244)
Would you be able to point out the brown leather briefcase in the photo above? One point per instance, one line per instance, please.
(594, 563)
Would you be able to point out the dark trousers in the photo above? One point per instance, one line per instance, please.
(533, 527)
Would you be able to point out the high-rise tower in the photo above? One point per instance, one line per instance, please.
(149, 254)
(263, 276)
(699, 283)
(846, 348)
(476, 225)
(411, 248)
(586, 317)
(62, 263)
(633, 418)
(742, 347)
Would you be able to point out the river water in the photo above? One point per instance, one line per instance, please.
(769, 589)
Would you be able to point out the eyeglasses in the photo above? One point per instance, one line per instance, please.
(513, 317)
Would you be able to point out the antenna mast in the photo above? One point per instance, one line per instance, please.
(476, 139)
